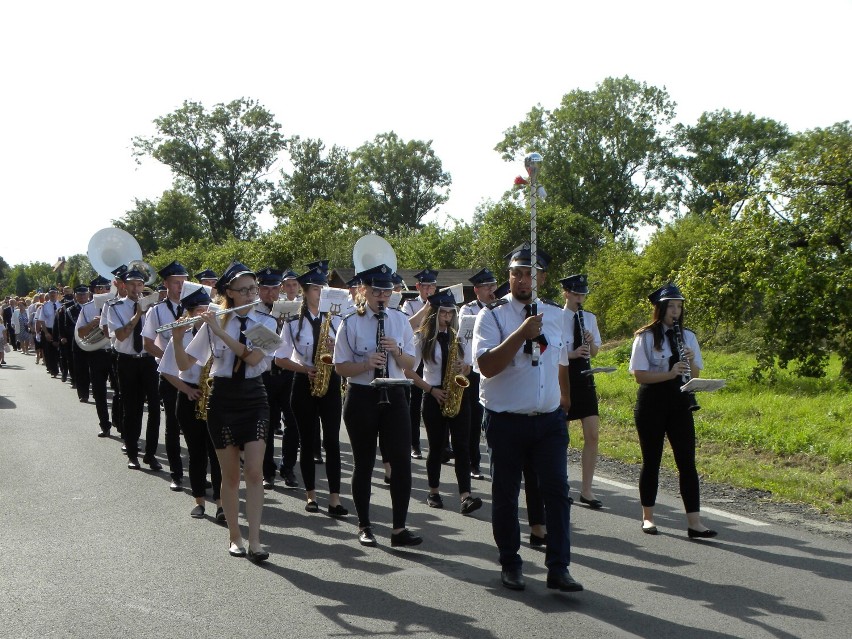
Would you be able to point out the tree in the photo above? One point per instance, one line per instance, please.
(605, 151)
(164, 224)
(725, 159)
(402, 181)
(220, 158)
(316, 175)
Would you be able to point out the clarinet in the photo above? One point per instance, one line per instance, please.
(383, 371)
(681, 352)
(586, 373)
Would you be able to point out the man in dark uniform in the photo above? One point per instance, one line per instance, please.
(49, 340)
(427, 282)
(64, 333)
(99, 361)
(164, 312)
(77, 357)
(290, 437)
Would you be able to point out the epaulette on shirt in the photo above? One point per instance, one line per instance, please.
(551, 303)
(114, 302)
(496, 303)
(262, 313)
(472, 304)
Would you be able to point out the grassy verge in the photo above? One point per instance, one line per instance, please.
(792, 438)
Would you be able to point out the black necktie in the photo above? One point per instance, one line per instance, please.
(443, 342)
(175, 311)
(137, 331)
(239, 369)
(316, 324)
(378, 372)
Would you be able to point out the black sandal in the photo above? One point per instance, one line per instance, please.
(312, 507)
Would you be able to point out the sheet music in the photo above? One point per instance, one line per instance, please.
(395, 299)
(148, 301)
(701, 384)
(332, 300)
(466, 327)
(285, 309)
(100, 299)
(265, 339)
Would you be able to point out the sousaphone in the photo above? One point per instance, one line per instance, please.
(372, 250)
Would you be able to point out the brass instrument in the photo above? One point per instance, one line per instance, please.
(189, 321)
(681, 352)
(322, 360)
(94, 341)
(205, 385)
(454, 383)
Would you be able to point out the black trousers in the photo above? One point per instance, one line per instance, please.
(169, 397)
(200, 449)
(414, 414)
(279, 386)
(477, 410)
(437, 427)
(365, 420)
(51, 355)
(139, 379)
(82, 378)
(66, 361)
(99, 367)
(10, 332)
(117, 399)
(311, 414)
(661, 412)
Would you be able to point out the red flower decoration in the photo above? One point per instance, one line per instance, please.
(520, 181)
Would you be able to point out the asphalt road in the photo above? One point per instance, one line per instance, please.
(92, 549)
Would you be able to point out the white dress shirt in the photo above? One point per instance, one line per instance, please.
(206, 342)
(356, 339)
(644, 357)
(168, 363)
(298, 346)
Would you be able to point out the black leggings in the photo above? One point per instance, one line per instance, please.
(365, 420)
(200, 449)
(310, 412)
(661, 412)
(436, 433)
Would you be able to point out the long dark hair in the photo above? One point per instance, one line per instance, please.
(656, 324)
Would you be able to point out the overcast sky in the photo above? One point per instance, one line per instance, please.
(81, 79)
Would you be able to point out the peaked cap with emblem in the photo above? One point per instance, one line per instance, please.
(442, 299)
(234, 270)
(315, 276)
(380, 276)
(192, 295)
(483, 277)
(427, 276)
(207, 274)
(269, 276)
(667, 292)
(320, 264)
(98, 281)
(520, 256)
(575, 284)
(175, 268)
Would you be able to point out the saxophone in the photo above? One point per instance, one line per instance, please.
(322, 360)
(205, 384)
(454, 384)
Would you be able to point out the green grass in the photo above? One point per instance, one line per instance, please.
(792, 437)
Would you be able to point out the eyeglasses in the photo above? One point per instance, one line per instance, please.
(246, 290)
(380, 292)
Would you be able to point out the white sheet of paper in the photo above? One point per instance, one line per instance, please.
(466, 327)
(333, 300)
(148, 301)
(285, 309)
(700, 384)
(395, 299)
(100, 299)
(265, 339)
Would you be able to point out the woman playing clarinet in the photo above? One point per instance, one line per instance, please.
(237, 409)
(662, 354)
(375, 342)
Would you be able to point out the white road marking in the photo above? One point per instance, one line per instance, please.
(739, 518)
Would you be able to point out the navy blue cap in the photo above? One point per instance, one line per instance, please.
(396, 278)
(207, 274)
(132, 274)
(81, 288)
(483, 277)
(52, 289)
(161, 287)
(355, 281)
(289, 275)
(380, 276)
(174, 268)
(194, 295)
(444, 299)
(320, 264)
(99, 281)
(575, 284)
(501, 290)
(427, 276)
(119, 271)
(520, 256)
(667, 292)
(269, 276)
(315, 276)
(234, 270)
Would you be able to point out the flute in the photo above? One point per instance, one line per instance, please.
(188, 321)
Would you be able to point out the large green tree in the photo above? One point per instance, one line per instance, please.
(724, 159)
(164, 224)
(317, 174)
(605, 151)
(221, 158)
(402, 181)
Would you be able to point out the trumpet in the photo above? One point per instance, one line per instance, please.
(188, 321)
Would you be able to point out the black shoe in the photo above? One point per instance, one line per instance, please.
(416, 454)
(513, 578)
(701, 534)
(475, 473)
(220, 516)
(387, 480)
(435, 500)
(538, 542)
(84, 400)
(318, 459)
(337, 511)
(279, 431)
(268, 484)
(594, 504)
(312, 507)
(470, 504)
(563, 581)
(197, 512)
(366, 537)
(649, 530)
(235, 550)
(124, 449)
(405, 538)
(133, 463)
(446, 455)
(104, 432)
(257, 557)
(289, 478)
(176, 485)
(152, 462)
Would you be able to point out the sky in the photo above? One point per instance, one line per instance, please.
(80, 80)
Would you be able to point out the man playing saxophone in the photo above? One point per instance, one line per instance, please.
(307, 340)
(445, 405)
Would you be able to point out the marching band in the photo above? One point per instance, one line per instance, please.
(225, 365)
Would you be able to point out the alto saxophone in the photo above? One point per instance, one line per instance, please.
(454, 383)
(322, 360)
(205, 384)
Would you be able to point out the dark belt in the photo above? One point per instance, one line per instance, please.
(134, 356)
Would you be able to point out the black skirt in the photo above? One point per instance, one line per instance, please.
(237, 411)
